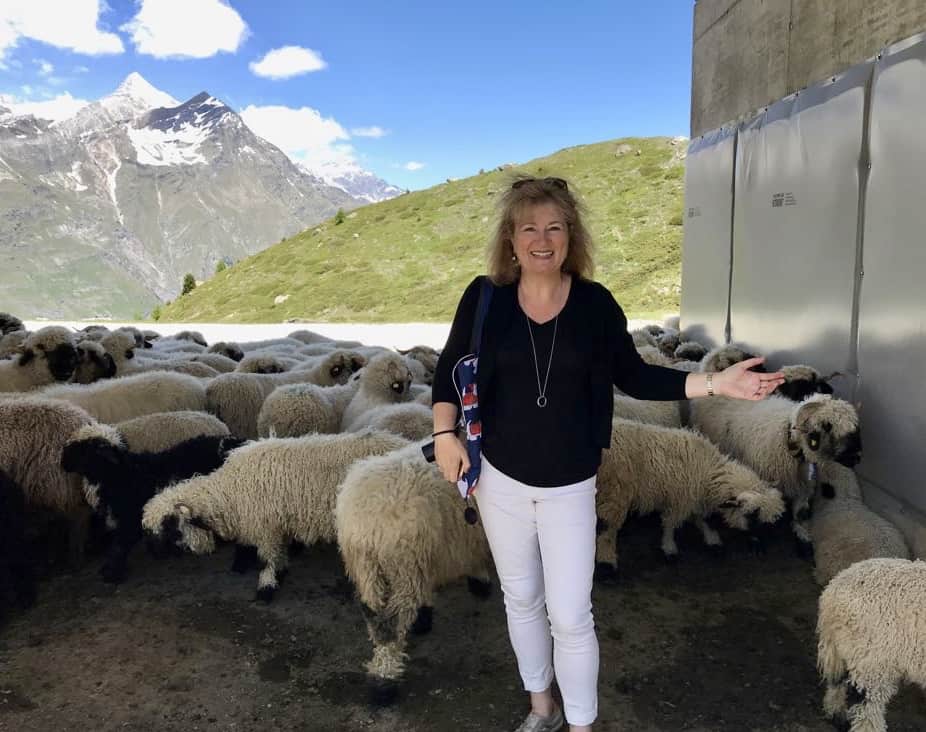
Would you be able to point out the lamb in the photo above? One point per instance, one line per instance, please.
(33, 432)
(227, 349)
(266, 494)
(16, 571)
(11, 342)
(118, 483)
(121, 346)
(46, 356)
(300, 409)
(680, 474)
(116, 400)
(396, 517)
(237, 399)
(722, 357)
(385, 380)
(160, 432)
(844, 530)
(10, 324)
(266, 363)
(137, 335)
(427, 357)
(193, 336)
(690, 351)
(93, 363)
(801, 381)
(411, 421)
(668, 342)
(776, 437)
(871, 638)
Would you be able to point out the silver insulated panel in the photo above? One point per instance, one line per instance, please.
(892, 313)
(708, 217)
(795, 226)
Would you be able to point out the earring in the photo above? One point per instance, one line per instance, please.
(514, 258)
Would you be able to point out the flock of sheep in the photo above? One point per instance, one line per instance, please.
(129, 435)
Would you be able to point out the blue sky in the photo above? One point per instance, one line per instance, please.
(450, 87)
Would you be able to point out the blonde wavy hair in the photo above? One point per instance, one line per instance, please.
(526, 192)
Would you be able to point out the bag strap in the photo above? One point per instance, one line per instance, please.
(482, 308)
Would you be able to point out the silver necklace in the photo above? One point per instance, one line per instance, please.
(542, 391)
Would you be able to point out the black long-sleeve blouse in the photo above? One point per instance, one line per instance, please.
(560, 443)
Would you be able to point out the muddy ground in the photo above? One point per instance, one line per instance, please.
(708, 644)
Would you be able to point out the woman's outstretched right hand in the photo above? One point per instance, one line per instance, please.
(450, 456)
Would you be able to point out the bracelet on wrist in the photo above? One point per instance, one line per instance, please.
(710, 384)
(444, 432)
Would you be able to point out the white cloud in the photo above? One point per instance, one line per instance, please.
(369, 132)
(282, 63)
(81, 70)
(303, 134)
(413, 165)
(71, 25)
(60, 107)
(45, 68)
(187, 29)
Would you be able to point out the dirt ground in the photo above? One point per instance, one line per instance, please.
(707, 644)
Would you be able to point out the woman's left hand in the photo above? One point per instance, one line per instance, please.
(740, 383)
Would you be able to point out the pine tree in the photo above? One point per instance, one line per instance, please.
(189, 283)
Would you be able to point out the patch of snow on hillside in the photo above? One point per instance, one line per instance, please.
(174, 147)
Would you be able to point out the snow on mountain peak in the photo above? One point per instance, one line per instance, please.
(137, 87)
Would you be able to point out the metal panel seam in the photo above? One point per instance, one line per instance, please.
(864, 171)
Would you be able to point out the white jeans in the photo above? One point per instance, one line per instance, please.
(543, 544)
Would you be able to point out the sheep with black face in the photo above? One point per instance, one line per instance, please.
(237, 398)
(682, 476)
(9, 324)
(780, 440)
(266, 494)
(118, 483)
(385, 380)
(46, 356)
(93, 363)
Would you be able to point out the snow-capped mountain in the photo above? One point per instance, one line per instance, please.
(354, 180)
(105, 211)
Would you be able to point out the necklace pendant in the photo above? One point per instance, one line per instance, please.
(541, 401)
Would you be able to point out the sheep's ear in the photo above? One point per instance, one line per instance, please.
(147, 344)
(25, 356)
(357, 363)
(399, 350)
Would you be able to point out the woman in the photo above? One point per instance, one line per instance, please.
(553, 344)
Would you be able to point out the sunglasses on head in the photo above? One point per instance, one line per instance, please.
(558, 182)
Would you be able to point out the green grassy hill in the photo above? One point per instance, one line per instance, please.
(408, 259)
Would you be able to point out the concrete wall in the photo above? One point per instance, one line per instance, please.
(749, 53)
